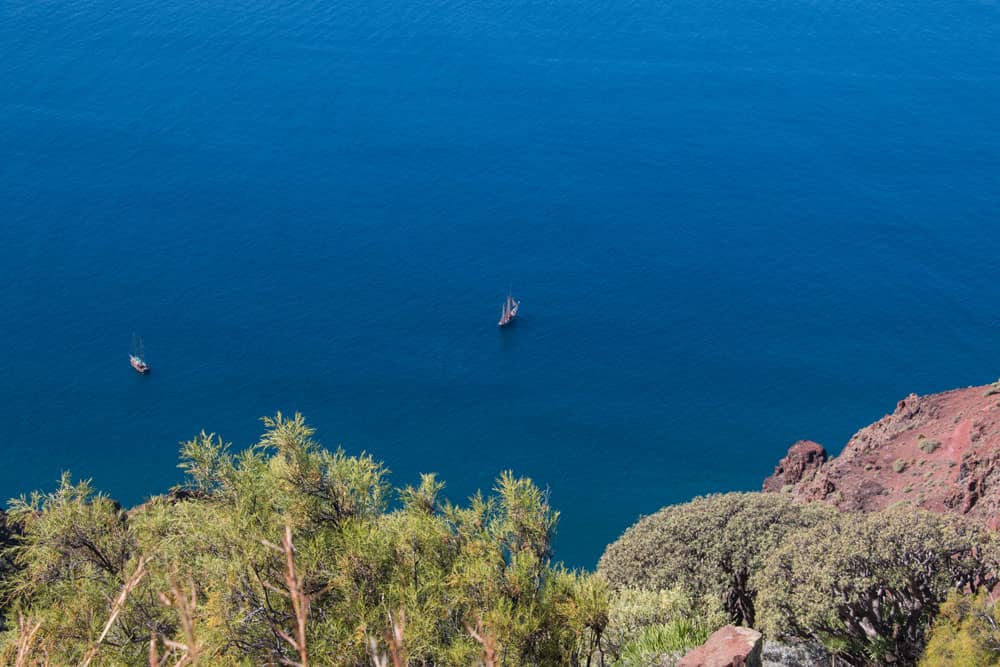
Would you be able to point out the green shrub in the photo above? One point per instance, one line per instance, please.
(899, 465)
(633, 612)
(928, 446)
(965, 634)
(710, 548)
(444, 568)
(868, 585)
(656, 644)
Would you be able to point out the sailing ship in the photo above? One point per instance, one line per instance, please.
(136, 358)
(508, 311)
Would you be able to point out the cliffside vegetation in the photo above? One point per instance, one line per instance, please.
(965, 634)
(289, 553)
(712, 547)
(867, 586)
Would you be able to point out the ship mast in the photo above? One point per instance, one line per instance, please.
(509, 309)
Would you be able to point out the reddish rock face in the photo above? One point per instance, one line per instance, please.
(728, 646)
(803, 461)
(939, 452)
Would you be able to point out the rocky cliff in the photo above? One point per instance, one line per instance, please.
(939, 452)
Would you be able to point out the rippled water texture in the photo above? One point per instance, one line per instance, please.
(731, 225)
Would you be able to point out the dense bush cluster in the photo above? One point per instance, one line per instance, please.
(203, 574)
(868, 586)
(965, 634)
(712, 547)
(288, 553)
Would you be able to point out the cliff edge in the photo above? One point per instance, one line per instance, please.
(940, 452)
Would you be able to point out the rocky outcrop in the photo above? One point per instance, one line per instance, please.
(940, 452)
(796, 653)
(729, 646)
(803, 461)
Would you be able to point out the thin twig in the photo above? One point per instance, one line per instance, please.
(486, 640)
(26, 632)
(116, 608)
(394, 640)
(154, 657)
(184, 602)
(300, 601)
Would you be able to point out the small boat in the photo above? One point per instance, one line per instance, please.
(508, 311)
(136, 358)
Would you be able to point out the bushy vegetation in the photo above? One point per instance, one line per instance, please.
(867, 586)
(288, 552)
(712, 548)
(965, 634)
(645, 626)
(927, 446)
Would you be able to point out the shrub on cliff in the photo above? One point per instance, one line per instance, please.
(869, 585)
(711, 548)
(198, 573)
(966, 633)
(644, 625)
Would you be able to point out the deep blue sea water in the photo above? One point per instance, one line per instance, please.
(731, 225)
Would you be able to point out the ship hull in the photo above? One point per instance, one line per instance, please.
(509, 313)
(508, 320)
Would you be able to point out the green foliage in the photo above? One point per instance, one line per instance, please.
(74, 554)
(445, 568)
(928, 446)
(869, 585)
(206, 462)
(899, 465)
(8, 539)
(657, 643)
(643, 625)
(711, 548)
(197, 571)
(965, 634)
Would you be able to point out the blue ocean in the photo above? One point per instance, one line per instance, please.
(731, 225)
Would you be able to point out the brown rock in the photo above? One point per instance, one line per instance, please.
(728, 646)
(940, 452)
(801, 463)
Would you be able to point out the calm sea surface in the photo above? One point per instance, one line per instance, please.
(731, 225)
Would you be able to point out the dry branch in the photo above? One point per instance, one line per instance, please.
(116, 608)
(300, 601)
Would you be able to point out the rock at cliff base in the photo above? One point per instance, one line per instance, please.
(728, 646)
